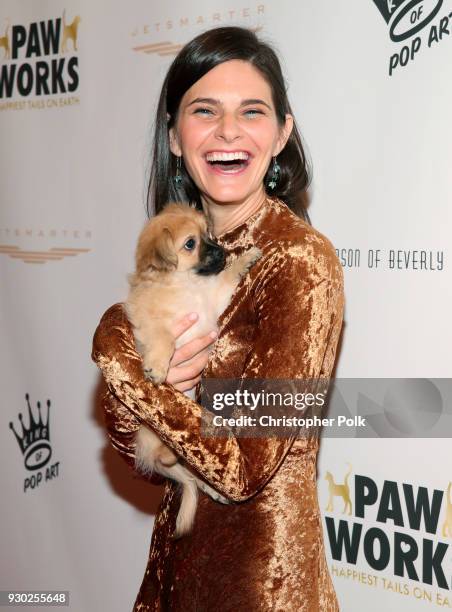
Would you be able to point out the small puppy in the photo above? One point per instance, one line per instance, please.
(179, 269)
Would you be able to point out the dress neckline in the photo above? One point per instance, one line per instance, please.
(238, 234)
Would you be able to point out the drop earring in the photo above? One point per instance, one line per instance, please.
(178, 178)
(276, 170)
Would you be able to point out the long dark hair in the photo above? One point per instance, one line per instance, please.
(194, 60)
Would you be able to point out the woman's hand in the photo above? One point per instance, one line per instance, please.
(182, 375)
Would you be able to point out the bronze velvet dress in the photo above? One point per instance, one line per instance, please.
(265, 551)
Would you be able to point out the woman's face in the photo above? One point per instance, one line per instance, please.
(227, 132)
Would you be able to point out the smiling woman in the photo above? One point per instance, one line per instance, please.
(215, 93)
(226, 141)
(226, 162)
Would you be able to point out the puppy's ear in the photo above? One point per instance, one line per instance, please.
(157, 252)
(164, 256)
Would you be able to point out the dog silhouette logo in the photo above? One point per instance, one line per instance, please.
(4, 43)
(447, 525)
(406, 17)
(70, 32)
(339, 490)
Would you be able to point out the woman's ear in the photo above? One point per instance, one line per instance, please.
(285, 132)
(174, 144)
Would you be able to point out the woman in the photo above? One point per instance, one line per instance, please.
(225, 92)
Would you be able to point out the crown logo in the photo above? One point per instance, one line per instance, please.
(406, 17)
(35, 439)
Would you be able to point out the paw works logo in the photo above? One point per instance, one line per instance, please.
(407, 20)
(397, 528)
(34, 443)
(39, 59)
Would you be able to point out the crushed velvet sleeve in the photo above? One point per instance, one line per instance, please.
(298, 299)
(121, 426)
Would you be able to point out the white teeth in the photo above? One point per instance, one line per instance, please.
(223, 156)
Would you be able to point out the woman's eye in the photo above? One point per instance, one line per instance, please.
(206, 112)
(190, 244)
(203, 111)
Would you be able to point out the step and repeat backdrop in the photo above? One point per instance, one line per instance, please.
(369, 81)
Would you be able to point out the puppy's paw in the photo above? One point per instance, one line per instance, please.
(219, 498)
(166, 456)
(154, 371)
(155, 377)
(183, 526)
(254, 254)
(248, 259)
(211, 492)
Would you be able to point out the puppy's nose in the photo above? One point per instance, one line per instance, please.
(212, 257)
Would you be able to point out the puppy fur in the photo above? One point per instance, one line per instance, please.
(179, 269)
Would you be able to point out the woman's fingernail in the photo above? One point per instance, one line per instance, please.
(193, 316)
(213, 334)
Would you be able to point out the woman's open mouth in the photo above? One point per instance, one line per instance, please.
(228, 162)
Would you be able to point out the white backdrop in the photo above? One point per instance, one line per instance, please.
(73, 159)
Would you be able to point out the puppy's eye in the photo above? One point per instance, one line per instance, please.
(190, 244)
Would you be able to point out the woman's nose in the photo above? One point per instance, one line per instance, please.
(228, 127)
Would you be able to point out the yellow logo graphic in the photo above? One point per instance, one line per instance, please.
(447, 525)
(339, 490)
(70, 32)
(4, 43)
(161, 48)
(53, 254)
(167, 47)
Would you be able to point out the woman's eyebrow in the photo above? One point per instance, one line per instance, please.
(217, 102)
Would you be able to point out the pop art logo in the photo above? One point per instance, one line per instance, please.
(34, 442)
(406, 19)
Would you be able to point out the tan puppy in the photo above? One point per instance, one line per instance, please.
(179, 269)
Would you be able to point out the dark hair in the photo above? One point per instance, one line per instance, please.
(194, 60)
